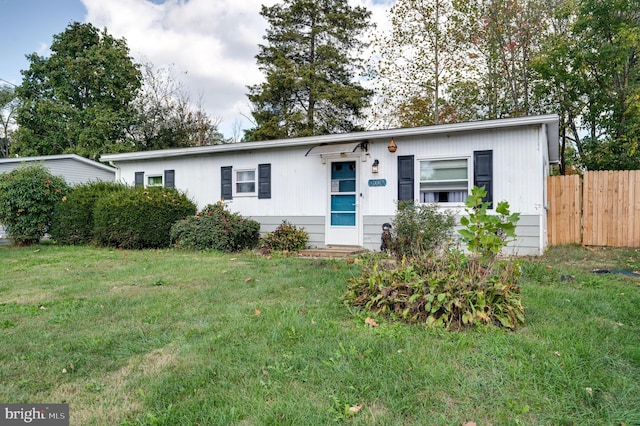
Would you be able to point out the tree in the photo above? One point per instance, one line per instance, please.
(420, 59)
(8, 107)
(608, 35)
(451, 60)
(558, 86)
(79, 99)
(166, 118)
(593, 76)
(309, 63)
(509, 34)
(28, 197)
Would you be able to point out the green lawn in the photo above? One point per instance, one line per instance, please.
(180, 338)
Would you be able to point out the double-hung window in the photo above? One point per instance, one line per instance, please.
(444, 181)
(245, 182)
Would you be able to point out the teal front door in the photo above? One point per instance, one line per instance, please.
(343, 221)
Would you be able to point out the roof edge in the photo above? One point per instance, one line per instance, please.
(550, 119)
(75, 157)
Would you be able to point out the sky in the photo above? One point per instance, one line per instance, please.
(211, 44)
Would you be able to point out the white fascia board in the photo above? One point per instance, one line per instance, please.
(74, 157)
(551, 120)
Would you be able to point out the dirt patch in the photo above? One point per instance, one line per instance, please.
(109, 398)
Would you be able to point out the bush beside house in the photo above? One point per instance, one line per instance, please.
(73, 222)
(139, 218)
(442, 286)
(216, 228)
(28, 197)
(286, 237)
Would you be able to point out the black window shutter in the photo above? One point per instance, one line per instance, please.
(405, 178)
(169, 178)
(226, 179)
(139, 180)
(483, 173)
(264, 181)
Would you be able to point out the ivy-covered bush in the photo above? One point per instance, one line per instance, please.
(419, 229)
(139, 218)
(28, 197)
(286, 237)
(216, 228)
(72, 222)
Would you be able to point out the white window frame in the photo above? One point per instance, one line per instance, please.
(236, 182)
(469, 180)
(156, 176)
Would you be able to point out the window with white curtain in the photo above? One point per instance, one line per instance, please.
(444, 181)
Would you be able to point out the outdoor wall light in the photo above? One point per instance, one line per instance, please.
(392, 146)
(374, 167)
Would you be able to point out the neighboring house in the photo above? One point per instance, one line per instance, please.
(73, 168)
(341, 188)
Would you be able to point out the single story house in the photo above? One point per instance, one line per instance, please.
(342, 188)
(73, 168)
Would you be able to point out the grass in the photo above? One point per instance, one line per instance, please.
(170, 337)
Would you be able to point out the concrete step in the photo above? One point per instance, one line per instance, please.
(332, 251)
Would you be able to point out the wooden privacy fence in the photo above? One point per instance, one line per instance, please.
(600, 209)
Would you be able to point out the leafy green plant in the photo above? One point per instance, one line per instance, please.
(72, 222)
(446, 290)
(28, 197)
(139, 218)
(286, 237)
(487, 234)
(216, 228)
(420, 229)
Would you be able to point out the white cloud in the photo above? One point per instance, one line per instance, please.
(214, 42)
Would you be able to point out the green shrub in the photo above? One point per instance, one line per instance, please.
(72, 222)
(28, 197)
(216, 228)
(286, 237)
(486, 235)
(447, 290)
(419, 229)
(139, 218)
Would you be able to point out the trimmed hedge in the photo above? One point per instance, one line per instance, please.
(216, 228)
(139, 218)
(72, 222)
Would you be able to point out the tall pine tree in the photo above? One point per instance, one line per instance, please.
(310, 63)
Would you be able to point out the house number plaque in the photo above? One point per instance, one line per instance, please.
(377, 182)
